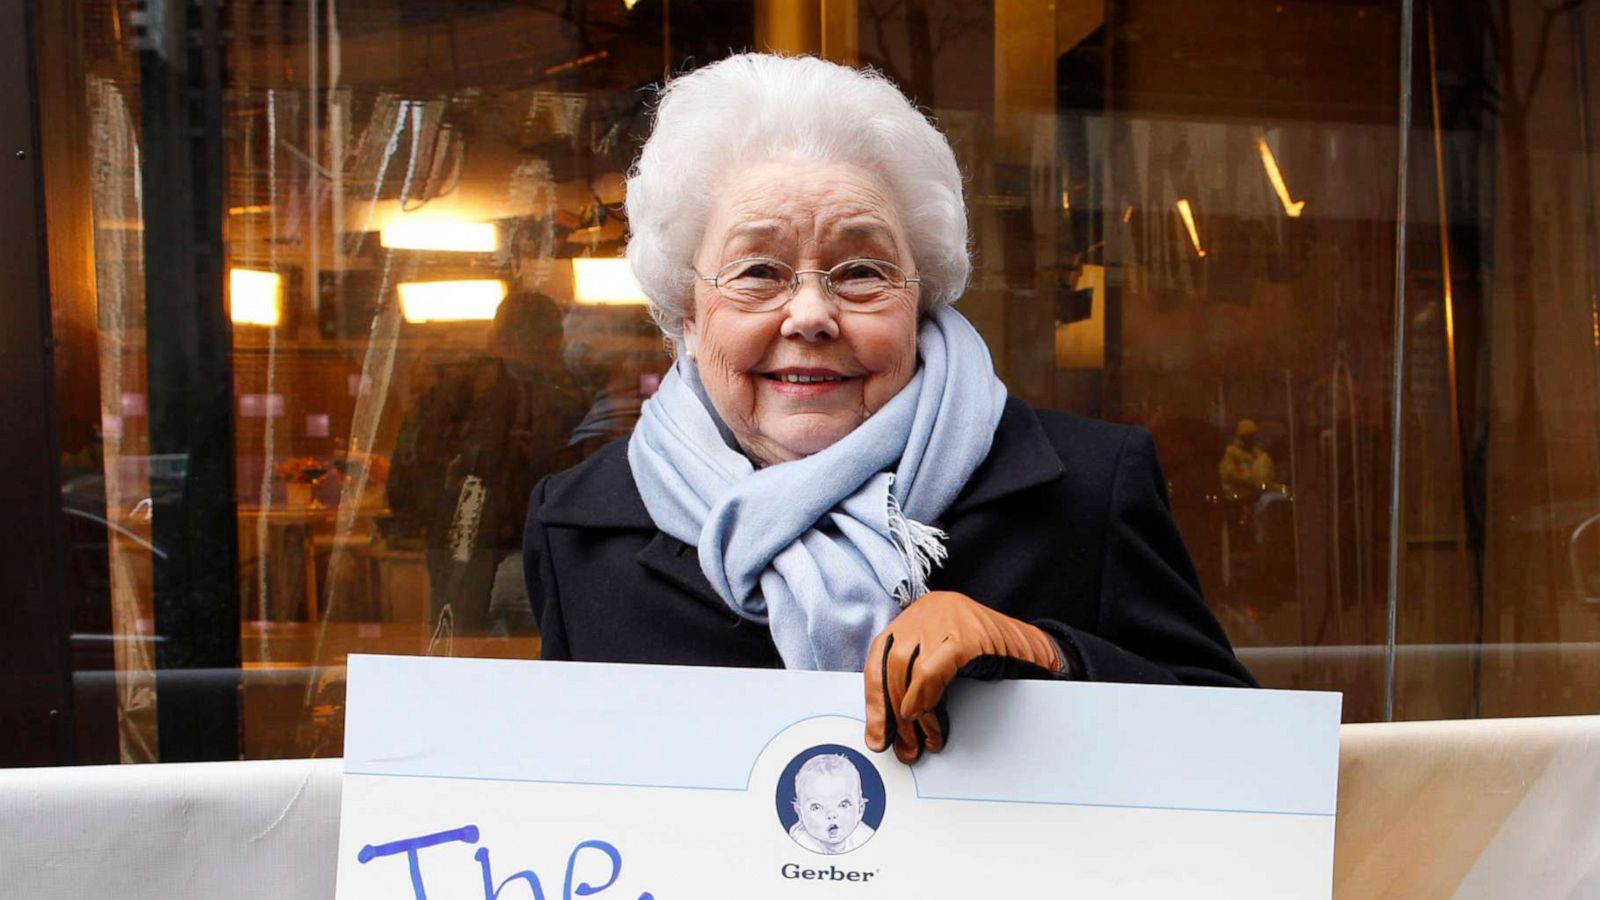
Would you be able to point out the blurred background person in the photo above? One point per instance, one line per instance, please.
(1246, 469)
(617, 356)
(468, 456)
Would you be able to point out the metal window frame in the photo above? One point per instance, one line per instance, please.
(189, 343)
(35, 707)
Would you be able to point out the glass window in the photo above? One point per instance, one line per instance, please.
(335, 282)
(1499, 582)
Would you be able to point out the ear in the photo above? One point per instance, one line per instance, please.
(691, 336)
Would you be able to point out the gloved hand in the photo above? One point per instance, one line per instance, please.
(911, 662)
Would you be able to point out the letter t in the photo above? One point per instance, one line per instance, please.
(410, 846)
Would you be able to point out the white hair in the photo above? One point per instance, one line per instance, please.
(757, 107)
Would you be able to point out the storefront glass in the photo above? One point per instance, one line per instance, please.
(334, 282)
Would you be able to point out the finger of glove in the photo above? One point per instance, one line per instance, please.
(880, 714)
(993, 667)
(933, 726)
(935, 670)
(909, 742)
(901, 668)
(989, 667)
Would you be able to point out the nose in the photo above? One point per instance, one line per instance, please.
(811, 314)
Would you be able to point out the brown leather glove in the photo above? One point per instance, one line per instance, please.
(941, 635)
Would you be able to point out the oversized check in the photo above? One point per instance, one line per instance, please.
(489, 779)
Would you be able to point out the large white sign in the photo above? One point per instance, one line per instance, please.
(507, 780)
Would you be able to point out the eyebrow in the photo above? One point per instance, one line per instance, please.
(752, 231)
(857, 229)
(865, 229)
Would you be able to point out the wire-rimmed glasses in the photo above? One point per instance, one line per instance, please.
(763, 284)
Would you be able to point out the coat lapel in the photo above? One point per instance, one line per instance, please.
(601, 493)
(679, 563)
(1021, 457)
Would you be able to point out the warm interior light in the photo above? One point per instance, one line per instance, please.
(255, 297)
(1291, 207)
(605, 282)
(406, 233)
(629, 4)
(451, 301)
(1188, 222)
(1081, 344)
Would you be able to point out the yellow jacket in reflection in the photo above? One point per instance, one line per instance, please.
(1245, 468)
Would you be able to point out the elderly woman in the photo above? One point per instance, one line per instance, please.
(831, 476)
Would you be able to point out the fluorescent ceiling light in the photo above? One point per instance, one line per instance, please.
(255, 297)
(451, 301)
(406, 233)
(1188, 222)
(605, 282)
(1291, 207)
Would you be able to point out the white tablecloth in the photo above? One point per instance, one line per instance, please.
(197, 831)
(1472, 810)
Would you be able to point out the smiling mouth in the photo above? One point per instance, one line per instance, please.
(790, 378)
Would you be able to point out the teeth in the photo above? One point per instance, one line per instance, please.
(809, 379)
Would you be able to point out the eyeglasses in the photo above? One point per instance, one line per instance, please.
(760, 284)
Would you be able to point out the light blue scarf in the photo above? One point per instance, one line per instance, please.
(827, 549)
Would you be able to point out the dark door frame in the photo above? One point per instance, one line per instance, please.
(35, 706)
(190, 402)
(189, 345)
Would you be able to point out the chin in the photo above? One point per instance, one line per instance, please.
(805, 438)
(802, 449)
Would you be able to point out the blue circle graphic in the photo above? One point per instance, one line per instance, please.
(872, 790)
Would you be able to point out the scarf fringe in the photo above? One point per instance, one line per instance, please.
(921, 547)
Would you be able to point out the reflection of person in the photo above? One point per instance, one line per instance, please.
(609, 349)
(1245, 469)
(831, 476)
(830, 804)
(470, 452)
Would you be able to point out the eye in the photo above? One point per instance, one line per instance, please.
(846, 804)
(861, 272)
(755, 271)
(815, 806)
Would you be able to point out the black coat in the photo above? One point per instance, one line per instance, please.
(1065, 525)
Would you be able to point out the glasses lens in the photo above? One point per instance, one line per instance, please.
(755, 282)
(866, 280)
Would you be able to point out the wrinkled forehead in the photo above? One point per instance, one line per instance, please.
(785, 209)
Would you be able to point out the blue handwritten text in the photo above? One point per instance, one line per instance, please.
(412, 847)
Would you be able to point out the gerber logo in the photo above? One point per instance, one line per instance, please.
(830, 801)
(831, 873)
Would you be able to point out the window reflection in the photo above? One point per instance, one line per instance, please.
(1181, 220)
(467, 458)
